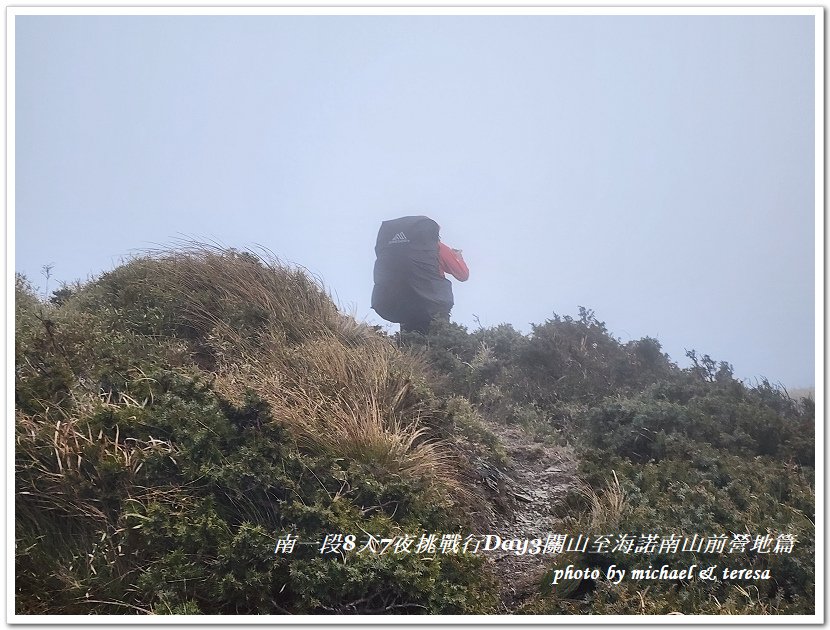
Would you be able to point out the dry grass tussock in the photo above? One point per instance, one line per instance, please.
(607, 507)
(256, 292)
(52, 452)
(66, 479)
(337, 384)
(353, 401)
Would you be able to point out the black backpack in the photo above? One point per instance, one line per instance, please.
(408, 283)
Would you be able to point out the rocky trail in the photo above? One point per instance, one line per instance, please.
(528, 491)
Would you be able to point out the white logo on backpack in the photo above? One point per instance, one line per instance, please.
(400, 237)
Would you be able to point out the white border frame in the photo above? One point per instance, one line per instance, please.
(469, 10)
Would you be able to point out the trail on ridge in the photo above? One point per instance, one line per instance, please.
(529, 491)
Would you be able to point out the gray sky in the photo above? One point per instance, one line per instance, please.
(659, 170)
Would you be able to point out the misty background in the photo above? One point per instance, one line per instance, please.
(657, 169)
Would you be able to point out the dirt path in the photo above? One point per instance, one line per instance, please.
(529, 489)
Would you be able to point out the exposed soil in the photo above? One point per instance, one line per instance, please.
(527, 492)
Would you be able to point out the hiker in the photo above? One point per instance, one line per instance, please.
(410, 286)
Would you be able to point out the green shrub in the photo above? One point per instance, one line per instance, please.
(162, 448)
(178, 415)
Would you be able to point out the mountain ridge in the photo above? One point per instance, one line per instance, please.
(181, 415)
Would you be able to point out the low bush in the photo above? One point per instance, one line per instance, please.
(179, 416)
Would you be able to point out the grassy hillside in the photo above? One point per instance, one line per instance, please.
(180, 415)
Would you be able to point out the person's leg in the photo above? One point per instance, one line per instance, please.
(415, 325)
(417, 316)
(423, 322)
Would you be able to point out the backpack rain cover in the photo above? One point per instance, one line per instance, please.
(409, 285)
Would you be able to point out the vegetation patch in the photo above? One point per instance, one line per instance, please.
(179, 417)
